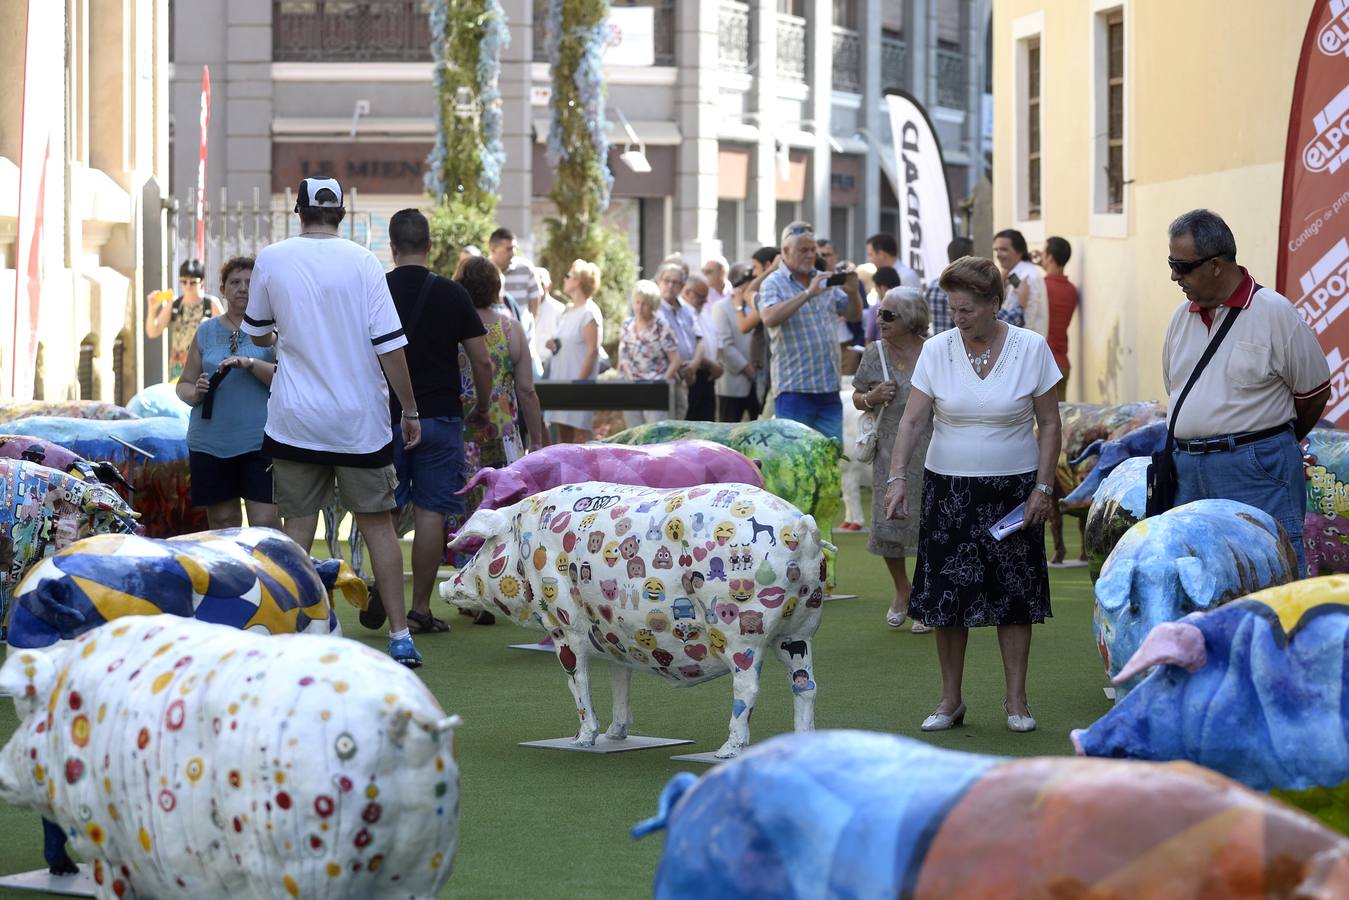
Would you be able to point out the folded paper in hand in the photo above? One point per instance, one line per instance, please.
(1011, 523)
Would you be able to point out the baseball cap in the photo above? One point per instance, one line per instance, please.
(739, 274)
(309, 188)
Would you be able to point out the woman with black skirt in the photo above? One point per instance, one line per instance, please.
(987, 386)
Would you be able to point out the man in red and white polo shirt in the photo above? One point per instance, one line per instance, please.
(1238, 431)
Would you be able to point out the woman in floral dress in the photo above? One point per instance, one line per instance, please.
(646, 348)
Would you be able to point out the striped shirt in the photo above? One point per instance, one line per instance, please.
(805, 347)
(939, 308)
(685, 324)
(520, 282)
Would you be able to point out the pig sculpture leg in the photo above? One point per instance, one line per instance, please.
(745, 684)
(577, 666)
(796, 656)
(620, 680)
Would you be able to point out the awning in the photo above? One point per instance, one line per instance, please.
(651, 132)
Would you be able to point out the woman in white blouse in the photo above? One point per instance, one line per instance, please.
(576, 347)
(1026, 302)
(987, 386)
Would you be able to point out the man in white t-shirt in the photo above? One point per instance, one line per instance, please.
(883, 250)
(325, 304)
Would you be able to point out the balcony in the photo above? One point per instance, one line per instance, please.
(847, 66)
(952, 87)
(664, 29)
(894, 63)
(733, 36)
(350, 31)
(791, 47)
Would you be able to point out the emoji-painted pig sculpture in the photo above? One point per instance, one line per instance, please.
(1118, 505)
(1194, 557)
(1255, 690)
(12, 410)
(185, 759)
(690, 583)
(1325, 533)
(54, 456)
(858, 814)
(43, 510)
(684, 463)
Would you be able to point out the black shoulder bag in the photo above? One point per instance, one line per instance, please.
(1162, 469)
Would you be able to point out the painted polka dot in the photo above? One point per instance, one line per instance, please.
(74, 770)
(39, 774)
(175, 715)
(362, 838)
(144, 839)
(376, 862)
(79, 731)
(371, 791)
(334, 870)
(323, 805)
(340, 687)
(143, 738)
(88, 649)
(329, 658)
(161, 682)
(343, 783)
(283, 800)
(76, 701)
(372, 812)
(195, 768)
(96, 833)
(436, 860)
(345, 745)
(291, 887)
(234, 778)
(167, 801)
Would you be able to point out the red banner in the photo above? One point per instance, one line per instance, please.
(1314, 220)
(205, 121)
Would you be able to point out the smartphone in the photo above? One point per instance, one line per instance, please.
(836, 279)
(1014, 280)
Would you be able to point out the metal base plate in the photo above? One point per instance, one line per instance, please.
(40, 881)
(541, 648)
(709, 758)
(1109, 693)
(605, 745)
(841, 597)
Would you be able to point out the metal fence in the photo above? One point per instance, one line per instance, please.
(350, 31)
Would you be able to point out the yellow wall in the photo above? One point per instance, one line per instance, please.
(1207, 92)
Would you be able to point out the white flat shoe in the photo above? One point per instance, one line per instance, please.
(895, 619)
(919, 627)
(944, 722)
(1019, 723)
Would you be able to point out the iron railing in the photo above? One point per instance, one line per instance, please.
(894, 63)
(350, 31)
(791, 47)
(847, 66)
(952, 87)
(733, 36)
(664, 30)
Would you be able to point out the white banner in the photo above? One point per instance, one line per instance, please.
(919, 177)
(632, 36)
(40, 171)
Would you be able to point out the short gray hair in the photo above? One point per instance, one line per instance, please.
(647, 293)
(911, 308)
(672, 267)
(1211, 236)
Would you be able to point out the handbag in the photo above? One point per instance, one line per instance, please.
(1161, 475)
(865, 448)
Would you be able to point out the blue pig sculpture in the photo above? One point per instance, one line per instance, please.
(1255, 690)
(1141, 442)
(1194, 557)
(1118, 505)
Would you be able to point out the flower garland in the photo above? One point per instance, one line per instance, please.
(577, 147)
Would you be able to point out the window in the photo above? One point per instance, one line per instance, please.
(793, 7)
(1033, 130)
(1114, 158)
(845, 14)
(730, 217)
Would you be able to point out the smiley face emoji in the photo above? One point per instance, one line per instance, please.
(788, 536)
(674, 529)
(510, 588)
(717, 640)
(611, 552)
(674, 502)
(645, 638)
(549, 588)
(742, 508)
(654, 590)
(725, 531)
(741, 589)
(562, 560)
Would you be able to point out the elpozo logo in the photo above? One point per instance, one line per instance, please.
(1330, 148)
(1333, 38)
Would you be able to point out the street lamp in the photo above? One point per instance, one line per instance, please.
(633, 159)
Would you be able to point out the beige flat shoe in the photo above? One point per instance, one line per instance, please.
(944, 722)
(1020, 724)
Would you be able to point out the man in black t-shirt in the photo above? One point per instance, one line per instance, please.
(438, 317)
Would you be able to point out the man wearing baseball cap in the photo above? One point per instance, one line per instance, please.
(325, 304)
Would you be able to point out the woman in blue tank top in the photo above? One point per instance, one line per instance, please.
(227, 380)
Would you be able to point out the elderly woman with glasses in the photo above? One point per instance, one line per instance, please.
(881, 387)
(227, 380)
(646, 348)
(988, 388)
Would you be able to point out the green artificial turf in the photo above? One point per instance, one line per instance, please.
(546, 823)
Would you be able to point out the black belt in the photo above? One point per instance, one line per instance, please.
(1229, 441)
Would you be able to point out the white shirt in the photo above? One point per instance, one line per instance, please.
(1035, 313)
(330, 305)
(546, 322)
(986, 427)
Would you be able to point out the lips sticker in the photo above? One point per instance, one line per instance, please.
(772, 597)
(560, 522)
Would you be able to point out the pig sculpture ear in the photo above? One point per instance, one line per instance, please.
(1168, 644)
(28, 677)
(1196, 583)
(481, 525)
(1116, 584)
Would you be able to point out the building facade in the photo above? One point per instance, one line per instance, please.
(749, 114)
(103, 94)
(1103, 137)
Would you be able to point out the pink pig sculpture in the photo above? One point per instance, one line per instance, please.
(678, 464)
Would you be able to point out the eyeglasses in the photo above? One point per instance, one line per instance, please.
(1186, 266)
(887, 315)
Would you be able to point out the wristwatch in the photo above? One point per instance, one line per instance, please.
(1046, 489)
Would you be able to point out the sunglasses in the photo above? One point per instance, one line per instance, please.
(800, 229)
(189, 281)
(1186, 266)
(887, 315)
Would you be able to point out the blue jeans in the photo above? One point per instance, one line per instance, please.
(1266, 474)
(823, 412)
(430, 473)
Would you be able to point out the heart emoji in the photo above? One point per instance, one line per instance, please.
(743, 661)
(700, 553)
(685, 559)
(695, 651)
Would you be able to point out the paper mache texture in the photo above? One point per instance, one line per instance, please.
(689, 583)
(859, 814)
(186, 759)
(159, 400)
(1118, 504)
(1194, 557)
(1084, 424)
(11, 410)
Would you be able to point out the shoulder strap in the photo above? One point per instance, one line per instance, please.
(1212, 348)
(415, 315)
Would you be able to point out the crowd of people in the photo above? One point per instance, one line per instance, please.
(323, 377)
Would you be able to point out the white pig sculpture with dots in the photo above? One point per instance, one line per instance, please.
(185, 759)
(689, 583)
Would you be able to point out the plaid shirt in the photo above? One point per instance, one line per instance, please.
(805, 347)
(939, 308)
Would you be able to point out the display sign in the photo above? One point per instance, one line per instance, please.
(920, 184)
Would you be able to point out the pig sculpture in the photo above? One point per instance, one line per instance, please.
(42, 511)
(685, 463)
(858, 814)
(1194, 557)
(1086, 423)
(690, 583)
(159, 400)
(185, 759)
(1326, 524)
(1255, 690)
(1118, 505)
(12, 410)
(249, 578)
(157, 465)
(1141, 442)
(54, 456)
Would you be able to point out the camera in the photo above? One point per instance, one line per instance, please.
(1014, 280)
(839, 277)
